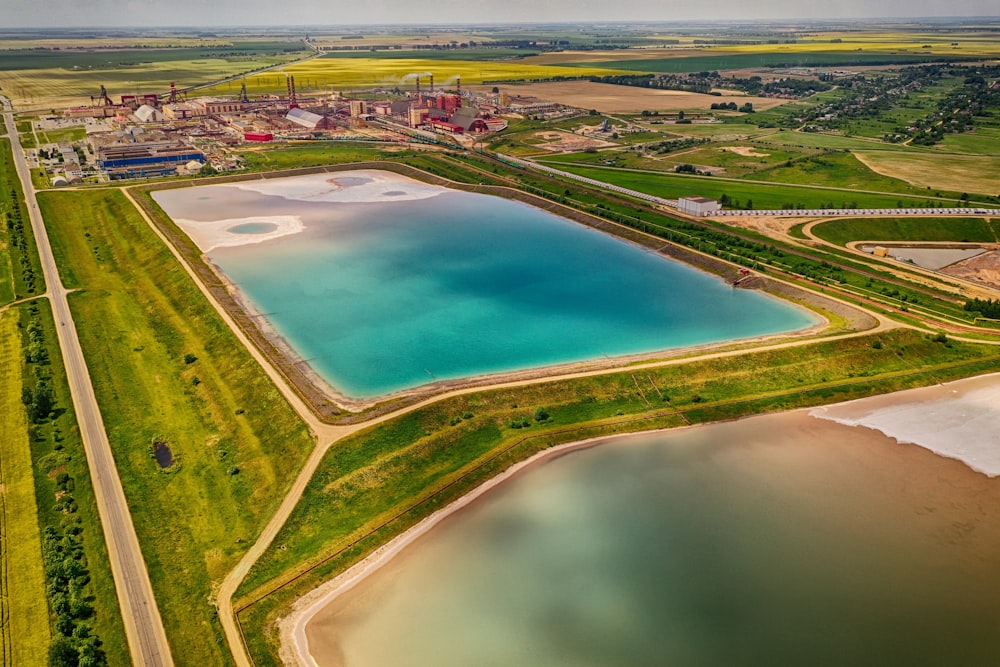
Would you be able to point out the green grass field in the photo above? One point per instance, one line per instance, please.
(964, 230)
(57, 451)
(236, 443)
(437, 453)
(20, 271)
(42, 78)
(974, 174)
(312, 154)
(763, 196)
(834, 141)
(838, 170)
(24, 611)
(65, 134)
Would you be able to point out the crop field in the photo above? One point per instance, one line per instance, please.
(978, 174)
(24, 611)
(729, 61)
(346, 73)
(166, 369)
(608, 98)
(885, 43)
(959, 230)
(498, 54)
(71, 79)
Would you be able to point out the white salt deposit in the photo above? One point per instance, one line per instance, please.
(212, 234)
(359, 186)
(958, 420)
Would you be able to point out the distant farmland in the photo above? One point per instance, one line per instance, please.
(345, 73)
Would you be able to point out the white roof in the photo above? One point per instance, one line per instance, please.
(146, 113)
(304, 118)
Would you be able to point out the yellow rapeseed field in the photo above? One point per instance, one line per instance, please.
(346, 73)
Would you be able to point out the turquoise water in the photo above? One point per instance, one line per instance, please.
(384, 296)
(253, 228)
(772, 541)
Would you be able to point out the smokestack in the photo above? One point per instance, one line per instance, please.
(458, 85)
(432, 86)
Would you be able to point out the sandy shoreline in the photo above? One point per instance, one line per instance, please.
(294, 643)
(955, 419)
(841, 420)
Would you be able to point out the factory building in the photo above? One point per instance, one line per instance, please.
(306, 119)
(148, 114)
(359, 108)
(212, 105)
(183, 111)
(699, 206)
(468, 119)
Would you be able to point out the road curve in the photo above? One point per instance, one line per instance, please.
(143, 627)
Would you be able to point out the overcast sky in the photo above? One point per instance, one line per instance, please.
(32, 13)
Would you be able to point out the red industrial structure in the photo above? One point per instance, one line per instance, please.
(258, 136)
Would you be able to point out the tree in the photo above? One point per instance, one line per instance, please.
(496, 89)
(62, 653)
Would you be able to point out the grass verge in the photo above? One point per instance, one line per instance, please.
(20, 270)
(168, 372)
(82, 598)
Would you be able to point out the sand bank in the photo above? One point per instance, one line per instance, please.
(354, 187)
(240, 231)
(957, 419)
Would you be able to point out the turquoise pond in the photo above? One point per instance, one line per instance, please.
(383, 283)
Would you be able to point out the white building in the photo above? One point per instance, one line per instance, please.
(698, 206)
(306, 119)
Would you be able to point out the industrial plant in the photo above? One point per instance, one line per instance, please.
(149, 135)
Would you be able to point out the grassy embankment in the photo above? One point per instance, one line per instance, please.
(235, 441)
(747, 193)
(374, 485)
(855, 280)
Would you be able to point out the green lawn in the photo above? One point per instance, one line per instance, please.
(63, 134)
(276, 157)
(965, 230)
(235, 441)
(415, 464)
(24, 611)
(838, 170)
(763, 196)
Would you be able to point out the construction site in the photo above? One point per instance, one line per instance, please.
(142, 136)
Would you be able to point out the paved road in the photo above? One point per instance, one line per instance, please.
(143, 627)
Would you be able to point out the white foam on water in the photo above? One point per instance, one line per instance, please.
(354, 187)
(212, 234)
(949, 420)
